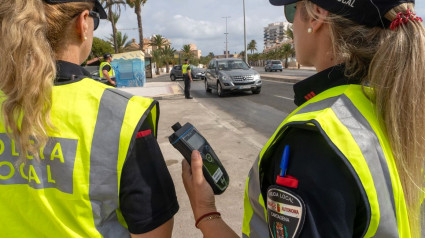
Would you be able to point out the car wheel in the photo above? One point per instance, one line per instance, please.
(172, 77)
(220, 92)
(281, 70)
(208, 89)
(256, 91)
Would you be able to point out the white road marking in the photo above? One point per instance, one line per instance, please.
(274, 81)
(229, 126)
(284, 97)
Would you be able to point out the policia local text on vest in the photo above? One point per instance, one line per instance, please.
(80, 167)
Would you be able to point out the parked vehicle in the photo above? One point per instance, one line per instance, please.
(197, 73)
(273, 65)
(229, 75)
(94, 72)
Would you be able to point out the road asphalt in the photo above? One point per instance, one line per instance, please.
(236, 145)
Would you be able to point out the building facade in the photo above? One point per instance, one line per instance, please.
(197, 53)
(275, 34)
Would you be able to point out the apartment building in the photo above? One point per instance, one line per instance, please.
(274, 34)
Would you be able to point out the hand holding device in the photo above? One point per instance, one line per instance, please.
(187, 139)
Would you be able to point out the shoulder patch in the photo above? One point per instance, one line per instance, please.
(285, 212)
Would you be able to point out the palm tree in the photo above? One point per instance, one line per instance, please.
(168, 56)
(211, 55)
(137, 5)
(286, 51)
(158, 41)
(289, 33)
(121, 41)
(252, 46)
(187, 52)
(110, 4)
(157, 57)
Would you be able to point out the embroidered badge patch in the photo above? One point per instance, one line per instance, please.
(285, 212)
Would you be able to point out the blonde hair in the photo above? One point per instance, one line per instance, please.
(31, 33)
(393, 64)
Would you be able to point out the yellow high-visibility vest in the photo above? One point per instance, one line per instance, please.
(111, 72)
(347, 120)
(74, 190)
(184, 68)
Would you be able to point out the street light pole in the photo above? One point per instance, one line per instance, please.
(244, 33)
(227, 53)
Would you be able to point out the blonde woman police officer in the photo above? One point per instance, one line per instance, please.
(77, 158)
(349, 161)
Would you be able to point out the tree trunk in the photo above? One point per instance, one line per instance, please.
(114, 29)
(138, 11)
(168, 67)
(286, 62)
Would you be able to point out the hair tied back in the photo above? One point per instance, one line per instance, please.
(403, 18)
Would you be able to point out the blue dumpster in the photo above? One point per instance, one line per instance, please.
(129, 69)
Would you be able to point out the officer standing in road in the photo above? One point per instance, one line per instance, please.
(106, 71)
(81, 158)
(349, 161)
(187, 78)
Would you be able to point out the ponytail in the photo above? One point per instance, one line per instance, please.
(31, 33)
(397, 73)
(27, 73)
(392, 62)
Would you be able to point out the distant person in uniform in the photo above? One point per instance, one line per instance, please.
(187, 78)
(106, 71)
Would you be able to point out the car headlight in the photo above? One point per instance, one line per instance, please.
(225, 77)
(257, 77)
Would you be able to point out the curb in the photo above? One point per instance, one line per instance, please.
(288, 79)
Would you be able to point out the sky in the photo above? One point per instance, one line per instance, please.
(202, 22)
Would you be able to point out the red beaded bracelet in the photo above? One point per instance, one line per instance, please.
(208, 216)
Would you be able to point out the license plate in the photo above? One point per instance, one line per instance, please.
(245, 86)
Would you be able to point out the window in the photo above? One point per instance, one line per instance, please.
(211, 65)
(232, 64)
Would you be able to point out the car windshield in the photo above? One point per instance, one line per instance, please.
(276, 62)
(232, 64)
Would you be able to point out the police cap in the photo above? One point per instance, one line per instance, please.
(107, 55)
(365, 12)
(97, 6)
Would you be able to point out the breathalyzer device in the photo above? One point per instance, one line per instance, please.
(186, 139)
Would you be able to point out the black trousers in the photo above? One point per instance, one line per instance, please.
(186, 86)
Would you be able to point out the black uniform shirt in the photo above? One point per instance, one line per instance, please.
(334, 204)
(106, 67)
(147, 194)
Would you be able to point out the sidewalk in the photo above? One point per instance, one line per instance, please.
(285, 78)
(157, 90)
(236, 145)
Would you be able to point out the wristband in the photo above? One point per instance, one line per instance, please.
(207, 217)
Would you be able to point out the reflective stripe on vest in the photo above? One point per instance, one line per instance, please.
(74, 191)
(347, 120)
(184, 68)
(111, 72)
